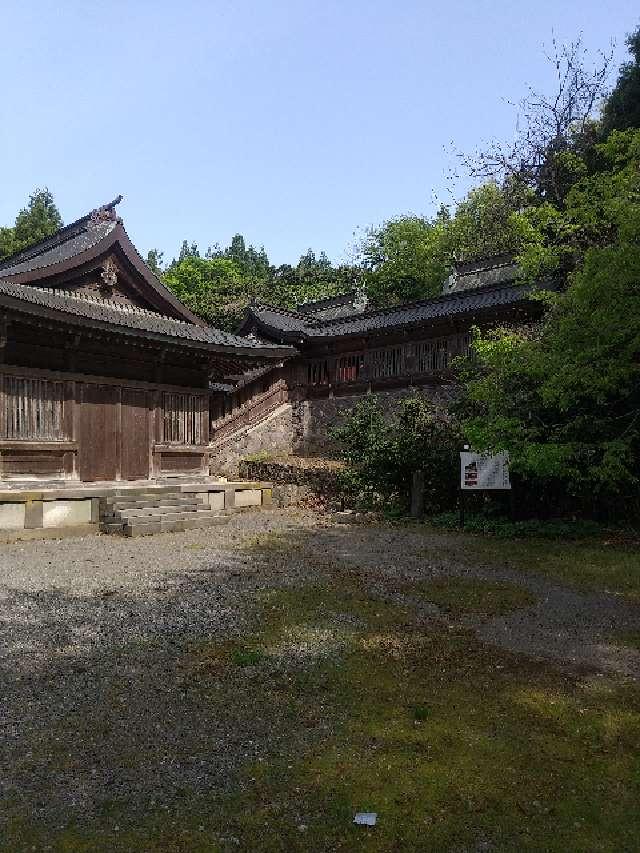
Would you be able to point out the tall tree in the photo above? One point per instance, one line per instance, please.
(155, 260)
(410, 257)
(549, 127)
(213, 288)
(622, 108)
(564, 398)
(405, 258)
(35, 222)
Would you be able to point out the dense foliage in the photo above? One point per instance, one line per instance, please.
(382, 453)
(38, 220)
(220, 285)
(622, 108)
(409, 257)
(564, 398)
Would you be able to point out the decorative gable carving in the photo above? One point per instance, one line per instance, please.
(109, 276)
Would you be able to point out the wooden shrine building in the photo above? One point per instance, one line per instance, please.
(345, 348)
(104, 374)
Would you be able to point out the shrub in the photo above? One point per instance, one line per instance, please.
(504, 528)
(381, 454)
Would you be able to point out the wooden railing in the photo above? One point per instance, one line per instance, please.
(250, 413)
(403, 360)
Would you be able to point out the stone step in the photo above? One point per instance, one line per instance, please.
(149, 501)
(111, 526)
(143, 491)
(186, 506)
(163, 526)
(159, 514)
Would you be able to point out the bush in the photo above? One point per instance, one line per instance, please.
(504, 528)
(382, 454)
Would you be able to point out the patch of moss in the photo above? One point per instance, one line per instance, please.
(467, 595)
(591, 565)
(247, 657)
(511, 753)
(628, 638)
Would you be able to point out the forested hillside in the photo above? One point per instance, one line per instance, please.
(562, 396)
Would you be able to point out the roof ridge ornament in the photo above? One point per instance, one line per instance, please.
(100, 215)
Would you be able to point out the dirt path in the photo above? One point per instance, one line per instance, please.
(563, 624)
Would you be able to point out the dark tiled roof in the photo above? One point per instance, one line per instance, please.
(483, 272)
(334, 307)
(124, 316)
(291, 324)
(53, 252)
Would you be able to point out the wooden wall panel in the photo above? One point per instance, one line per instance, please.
(98, 432)
(37, 463)
(135, 434)
(181, 462)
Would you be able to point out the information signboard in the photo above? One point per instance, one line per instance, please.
(479, 471)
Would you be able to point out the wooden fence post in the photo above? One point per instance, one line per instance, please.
(417, 494)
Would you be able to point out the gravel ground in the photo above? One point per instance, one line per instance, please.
(97, 634)
(563, 625)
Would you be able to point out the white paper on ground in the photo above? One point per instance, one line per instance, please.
(366, 818)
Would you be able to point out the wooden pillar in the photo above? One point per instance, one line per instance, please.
(119, 438)
(417, 494)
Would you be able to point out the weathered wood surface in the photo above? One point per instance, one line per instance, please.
(134, 425)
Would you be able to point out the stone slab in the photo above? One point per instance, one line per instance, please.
(216, 500)
(63, 513)
(248, 497)
(12, 516)
(33, 514)
(76, 530)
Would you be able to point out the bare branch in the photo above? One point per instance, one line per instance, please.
(547, 125)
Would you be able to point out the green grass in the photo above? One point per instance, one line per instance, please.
(630, 638)
(459, 596)
(592, 564)
(247, 657)
(454, 744)
(260, 456)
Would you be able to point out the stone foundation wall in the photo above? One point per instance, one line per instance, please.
(295, 481)
(301, 428)
(313, 419)
(273, 436)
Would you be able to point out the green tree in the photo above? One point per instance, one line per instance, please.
(382, 453)
(155, 260)
(483, 225)
(212, 288)
(35, 222)
(406, 258)
(622, 107)
(564, 398)
(410, 257)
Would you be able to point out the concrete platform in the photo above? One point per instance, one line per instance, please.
(119, 506)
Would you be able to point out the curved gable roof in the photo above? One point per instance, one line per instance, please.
(83, 242)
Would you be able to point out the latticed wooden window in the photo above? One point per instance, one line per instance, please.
(385, 363)
(464, 344)
(318, 373)
(348, 368)
(182, 419)
(32, 409)
(432, 355)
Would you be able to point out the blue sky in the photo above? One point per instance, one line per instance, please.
(294, 123)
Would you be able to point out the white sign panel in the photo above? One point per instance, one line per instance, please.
(483, 471)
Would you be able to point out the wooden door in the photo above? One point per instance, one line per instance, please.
(134, 440)
(98, 432)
